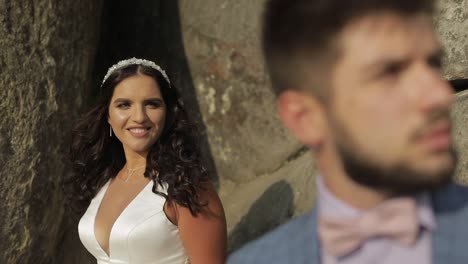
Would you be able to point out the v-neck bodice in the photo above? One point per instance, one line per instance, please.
(141, 234)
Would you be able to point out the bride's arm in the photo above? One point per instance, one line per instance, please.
(204, 236)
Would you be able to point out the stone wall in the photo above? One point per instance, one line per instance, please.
(460, 133)
(266, 176)
(46, 51)
(452, 23)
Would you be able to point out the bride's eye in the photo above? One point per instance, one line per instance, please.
(154, 104)
(123, 105)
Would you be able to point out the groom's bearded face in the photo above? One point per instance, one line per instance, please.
(401, 176)
(389, 110)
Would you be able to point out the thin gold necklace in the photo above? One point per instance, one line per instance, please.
(130, 172)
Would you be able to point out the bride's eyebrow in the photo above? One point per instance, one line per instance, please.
(122, 100)
(155, 99)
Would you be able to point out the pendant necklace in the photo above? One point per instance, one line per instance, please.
(130, 172)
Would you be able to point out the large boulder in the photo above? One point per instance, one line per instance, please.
(265, 176)
(452, 23)
(460, 134)
(222, 48)
(46, 50)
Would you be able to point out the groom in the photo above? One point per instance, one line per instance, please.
(359, 82)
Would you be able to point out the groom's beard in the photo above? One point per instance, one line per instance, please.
(398, 179)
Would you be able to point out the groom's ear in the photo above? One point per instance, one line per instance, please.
(303, 114)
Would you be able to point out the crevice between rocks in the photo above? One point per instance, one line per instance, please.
(293, 156)
(459, 85)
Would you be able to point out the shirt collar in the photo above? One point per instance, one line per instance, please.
(329, 205)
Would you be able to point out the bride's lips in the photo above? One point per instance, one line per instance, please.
(139, 131)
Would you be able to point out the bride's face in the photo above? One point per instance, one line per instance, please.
(137, 113)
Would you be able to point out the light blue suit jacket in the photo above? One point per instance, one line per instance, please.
(296, 242)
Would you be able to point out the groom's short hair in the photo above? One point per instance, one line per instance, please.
(299, 36)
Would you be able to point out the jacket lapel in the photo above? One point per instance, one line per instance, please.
(449, 241)
(314, 245)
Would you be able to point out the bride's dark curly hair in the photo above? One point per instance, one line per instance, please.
(173, 160)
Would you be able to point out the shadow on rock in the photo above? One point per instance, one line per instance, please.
(273, 208)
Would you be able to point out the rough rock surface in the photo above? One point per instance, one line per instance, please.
(265, 175)
(452, 24)
(222, 47)
(460, 134)
(46, 50)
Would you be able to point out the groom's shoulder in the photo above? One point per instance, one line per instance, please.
(285, 244)
(452, 198)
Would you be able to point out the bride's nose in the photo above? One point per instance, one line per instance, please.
(139, 114)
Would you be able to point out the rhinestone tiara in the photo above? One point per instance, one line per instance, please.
(135, 61)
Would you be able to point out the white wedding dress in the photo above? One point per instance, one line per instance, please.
(142, 234)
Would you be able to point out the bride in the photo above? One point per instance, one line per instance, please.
(137, 175)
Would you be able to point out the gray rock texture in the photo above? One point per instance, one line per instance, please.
(222, 48)
(46, 51)
(265, 176)
(460, 134)
(452, 25)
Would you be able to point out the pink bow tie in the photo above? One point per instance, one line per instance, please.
(395, 218)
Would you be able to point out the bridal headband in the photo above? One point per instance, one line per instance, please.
(134, 61)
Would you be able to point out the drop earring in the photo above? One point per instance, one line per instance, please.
(110, 131)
